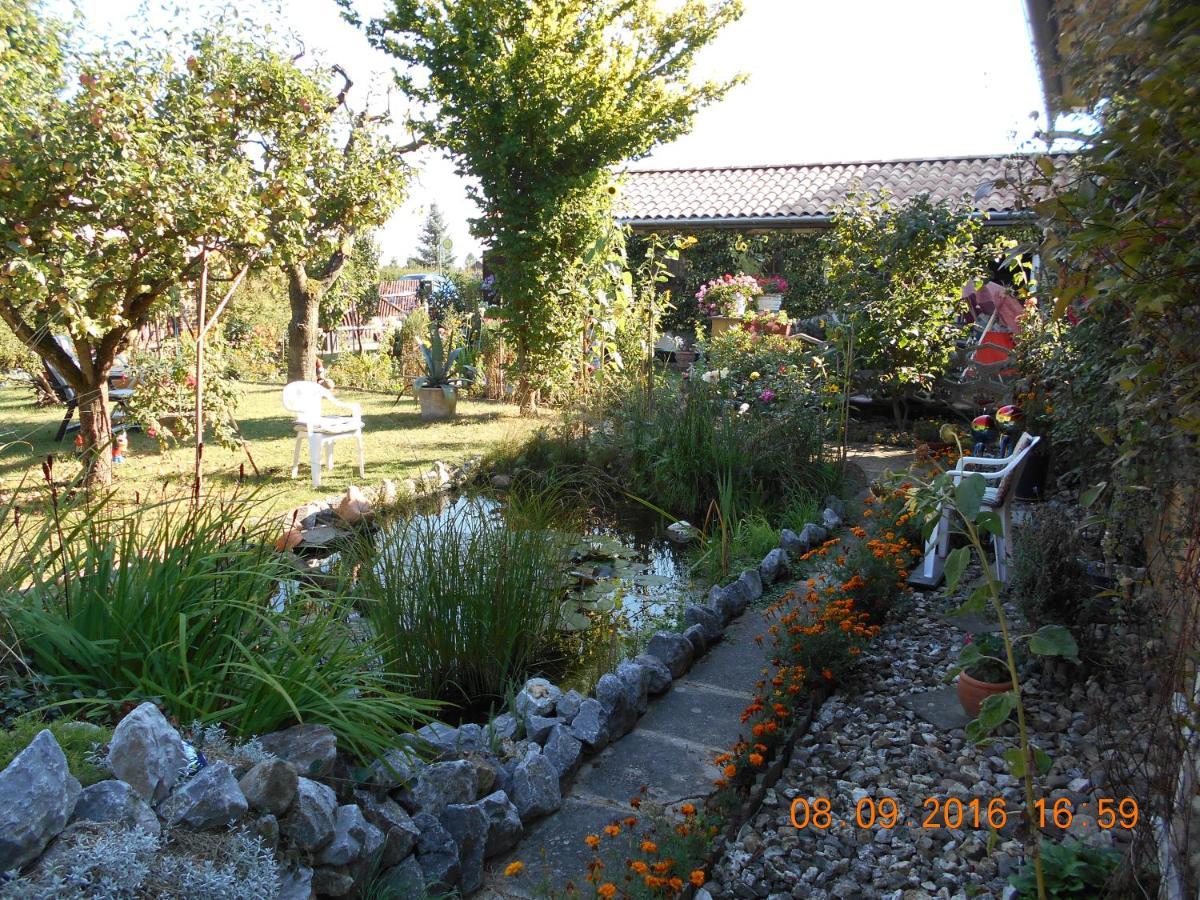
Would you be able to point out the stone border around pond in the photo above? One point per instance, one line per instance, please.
(410, 823)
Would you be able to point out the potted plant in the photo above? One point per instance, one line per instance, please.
(724, 299)
(773, 289)
(770, 323)
(982, 671)
(436, 390)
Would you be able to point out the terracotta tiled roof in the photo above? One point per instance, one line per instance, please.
(808, 194)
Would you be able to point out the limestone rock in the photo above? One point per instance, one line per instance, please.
(444, 783)
(791, 542)
(309, 823)
(210, 799)
(564, 751)
(636, 679)
(657, 674)
(812, 535)
(706, 618)
(537, 696)
(751, 584)
(442, 737)
(504, 824)
(147, 753)
(774, 566)
(673, 649)
(400, 834)
(395, 768)
(535, 790)
(503, 727)
(116, 802)
(568, 706)
(332, 882)
(270, 786)
(437, 855)
(830, 518)
(352, 835)
(295, 883)
(698, 637)
(312, 749)
(613, 695)
(404, 879)
(468, 825)
(590, 725)
(537, 728)
(37, 796)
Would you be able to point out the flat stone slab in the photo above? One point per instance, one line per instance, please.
(698, 713)
(973, 623)
(670, 769)
(321, 536)
(939, 707)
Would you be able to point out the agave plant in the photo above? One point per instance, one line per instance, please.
(440, 362)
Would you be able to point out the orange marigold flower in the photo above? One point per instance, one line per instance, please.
(730, 770)
(649, 847)
(662, 868)
(635, 802)
(688, 809)
(756, 759)
(612, 830)
(630, 821)
(682, 830)
(675, 884)
(608, 889)
(514, 868)
(827, 675)
(640, 867)
(697, 877)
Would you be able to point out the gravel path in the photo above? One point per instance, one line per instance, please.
(869, 743)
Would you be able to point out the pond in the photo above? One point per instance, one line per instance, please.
(463, 581)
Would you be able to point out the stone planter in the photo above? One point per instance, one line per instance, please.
(684, 359)
(770, 302)
(972, 692)
(721, 324)
(437, 403)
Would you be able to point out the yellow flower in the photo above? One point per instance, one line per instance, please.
(514, 868)
(754, 376)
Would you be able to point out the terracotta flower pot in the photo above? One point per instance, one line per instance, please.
(435, 404)
(972, 692)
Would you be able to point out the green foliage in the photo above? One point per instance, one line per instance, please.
(441, 360)
(982, 657)
(431, 250)
(178, 603)
(79, 742)
(896, 274)
(255, 327)
(164, 395)
(467, 601)
(1122, 243)
(356, 288)
(536, 101)
(15, 356)
(1073, 870)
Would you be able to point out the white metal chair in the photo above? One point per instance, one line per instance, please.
(304, 399)
(998, 498)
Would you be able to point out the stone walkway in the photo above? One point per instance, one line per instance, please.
(670, 752)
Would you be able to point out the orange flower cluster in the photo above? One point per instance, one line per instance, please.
(655, 872)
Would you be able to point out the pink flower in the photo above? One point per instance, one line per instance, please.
(767, 395)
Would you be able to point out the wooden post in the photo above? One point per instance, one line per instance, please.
(199, 423)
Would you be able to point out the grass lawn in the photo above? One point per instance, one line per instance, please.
(398, 445)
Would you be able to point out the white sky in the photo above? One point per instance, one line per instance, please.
(829, 81)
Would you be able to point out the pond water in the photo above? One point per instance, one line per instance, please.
(625, 579)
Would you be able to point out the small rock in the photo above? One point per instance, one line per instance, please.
(266, 828)
(309, 823)
(331, 883)
(790, 542)
(837, 504)
(444, 783)
(210, 799)
(590, 725)
(774, 565)
(503, 727)
(37, 796)
(440, 736)
(568, 705)
(812, 535)
(116, 802)
(537, 728)
(147, 753)
(682, 532)
(706, 618)
(437, 854)
(405, 879)
(295, 883)
(537, 696)
(501, 482)
(564, 751)
(350, 837)
(659, 676)
(613, 695)
(400, 834)
(725, 601)
(698, 637)
(504, 824)
(636, 680)
(751, 584)
(673, 649)
(468, 825)
(830, 518)
(270, 786)
(397, 767)
(535, 790)
(312, 749)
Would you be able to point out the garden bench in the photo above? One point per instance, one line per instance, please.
(67, 396)
(304, 398)
(1002, 475)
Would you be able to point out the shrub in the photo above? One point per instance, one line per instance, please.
(466, 601)
(77, 739)
(15, 356)
(182, 603)
(367, 371)
(1072, 869)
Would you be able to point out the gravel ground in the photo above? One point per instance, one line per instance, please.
(866, 744)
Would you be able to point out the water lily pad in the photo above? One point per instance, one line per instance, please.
(571, 619)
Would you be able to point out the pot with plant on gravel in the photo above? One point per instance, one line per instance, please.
(982, 671)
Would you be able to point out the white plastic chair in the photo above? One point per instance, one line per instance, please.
(304, 399)
(1005, 474)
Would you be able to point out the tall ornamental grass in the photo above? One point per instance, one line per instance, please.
(466, 602)
(178, 602)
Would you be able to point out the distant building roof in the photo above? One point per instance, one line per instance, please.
(804, 196)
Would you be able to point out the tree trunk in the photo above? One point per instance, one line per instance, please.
(95, 425)
(304, 331)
